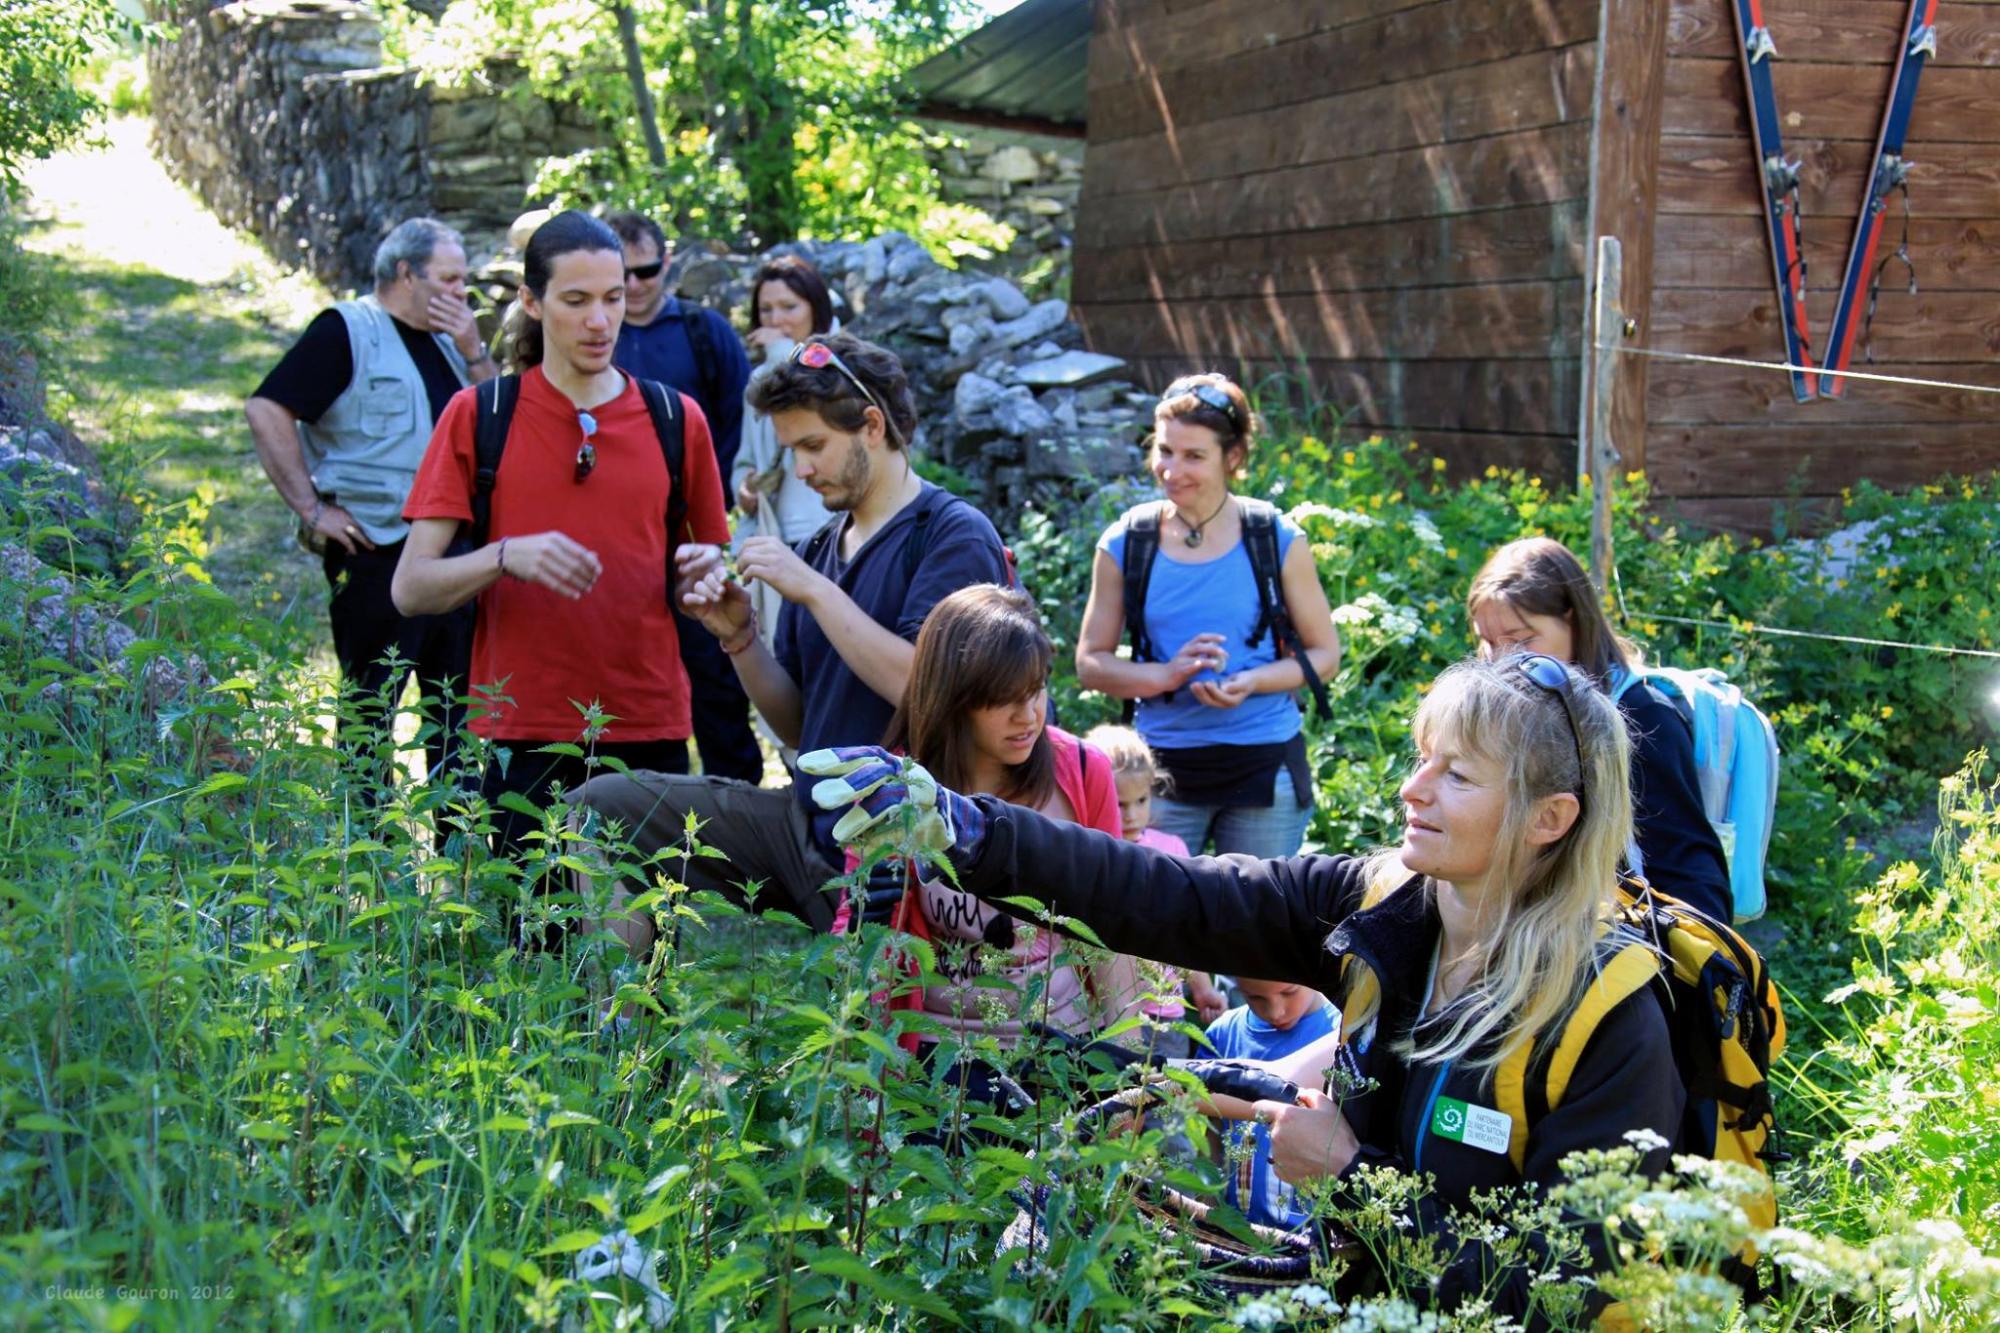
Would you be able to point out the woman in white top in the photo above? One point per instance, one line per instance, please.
(789, 303)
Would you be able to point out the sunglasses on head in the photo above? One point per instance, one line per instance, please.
(645, 272)
(1547, 673)
(1209, 396)
(586, 453)
(817, 355)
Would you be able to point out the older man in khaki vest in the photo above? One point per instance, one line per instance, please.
(341, 424)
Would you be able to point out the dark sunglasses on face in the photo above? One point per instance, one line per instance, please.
(1209, 396)
(586, 453)
(645, 272)
(1553, 676)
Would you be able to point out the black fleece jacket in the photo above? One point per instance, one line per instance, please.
(1298, 920)
(1682, 854)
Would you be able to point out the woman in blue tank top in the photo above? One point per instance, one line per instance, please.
(1215, 690)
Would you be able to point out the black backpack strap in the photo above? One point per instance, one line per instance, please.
(707, 365)
(815, 546)
(670, 424)
(495, 399)
(1260, 542)
(919, 542)
(1142, 546)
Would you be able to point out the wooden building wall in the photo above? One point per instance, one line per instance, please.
(1387, 194)
(1721, 443)
(1396, 197)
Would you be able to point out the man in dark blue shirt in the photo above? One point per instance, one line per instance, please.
(856, 594)
(691, 348)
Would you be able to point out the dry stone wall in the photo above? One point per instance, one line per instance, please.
(1006, 392)
(280, 116)
(1030, 182)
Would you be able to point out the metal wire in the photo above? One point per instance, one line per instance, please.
(1786, 367)
(1751, 627)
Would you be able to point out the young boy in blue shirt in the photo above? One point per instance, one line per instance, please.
(1277, 1019)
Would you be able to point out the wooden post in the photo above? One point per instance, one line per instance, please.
(1597, 456)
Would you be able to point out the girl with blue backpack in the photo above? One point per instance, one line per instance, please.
(1533, 596)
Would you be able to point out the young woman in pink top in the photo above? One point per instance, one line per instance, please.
(975, 714)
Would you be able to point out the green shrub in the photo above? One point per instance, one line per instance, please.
(45, 45)
(269, 1039)
(1909, 1081)
(29, 293)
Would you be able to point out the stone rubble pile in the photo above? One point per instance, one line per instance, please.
(47, 472)
(1005, 391)
(1030, 182)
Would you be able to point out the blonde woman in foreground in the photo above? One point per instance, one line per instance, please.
(1481, 931)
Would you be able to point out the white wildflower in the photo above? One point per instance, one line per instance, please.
(619, 1255)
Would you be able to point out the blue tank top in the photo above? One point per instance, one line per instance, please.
(1215, 597)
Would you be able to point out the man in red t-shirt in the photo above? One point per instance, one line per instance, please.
(572, 581)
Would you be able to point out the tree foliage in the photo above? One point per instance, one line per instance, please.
(44, 45)
(775, 118)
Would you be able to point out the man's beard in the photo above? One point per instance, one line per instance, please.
(852, 483)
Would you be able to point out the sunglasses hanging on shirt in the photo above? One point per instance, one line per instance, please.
(586, 453)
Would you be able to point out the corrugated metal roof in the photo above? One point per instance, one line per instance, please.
(1030, 64)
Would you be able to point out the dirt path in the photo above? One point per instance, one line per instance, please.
(171, 320)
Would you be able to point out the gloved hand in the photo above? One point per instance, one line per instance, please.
(874, 787)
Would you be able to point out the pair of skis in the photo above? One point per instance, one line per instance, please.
(1778, 180)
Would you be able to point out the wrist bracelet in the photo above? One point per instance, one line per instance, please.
(319, 507)
(500, 559)
(749, 637)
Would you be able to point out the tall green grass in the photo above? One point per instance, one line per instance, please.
(272, 1058)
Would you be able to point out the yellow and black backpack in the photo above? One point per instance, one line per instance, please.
(1727, 1027)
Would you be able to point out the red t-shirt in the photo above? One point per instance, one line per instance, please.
(616, 645)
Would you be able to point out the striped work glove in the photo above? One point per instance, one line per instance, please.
(874, 788)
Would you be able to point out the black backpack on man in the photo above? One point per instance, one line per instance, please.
(496, 399)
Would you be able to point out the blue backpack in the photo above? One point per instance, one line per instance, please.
(1736, 763)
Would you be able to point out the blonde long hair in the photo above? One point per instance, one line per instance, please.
(1550, 903)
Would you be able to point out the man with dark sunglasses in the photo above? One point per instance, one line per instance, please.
(690, 348)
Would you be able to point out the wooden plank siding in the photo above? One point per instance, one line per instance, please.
(1398, 200)
(1388, 197)
(1723, 444)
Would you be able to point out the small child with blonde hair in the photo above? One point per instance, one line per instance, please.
(1133, 770)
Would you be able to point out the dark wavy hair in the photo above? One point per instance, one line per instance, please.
(1236, 428)
(566, 233)
(982, 646)
(806, 284)
(835, 397)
